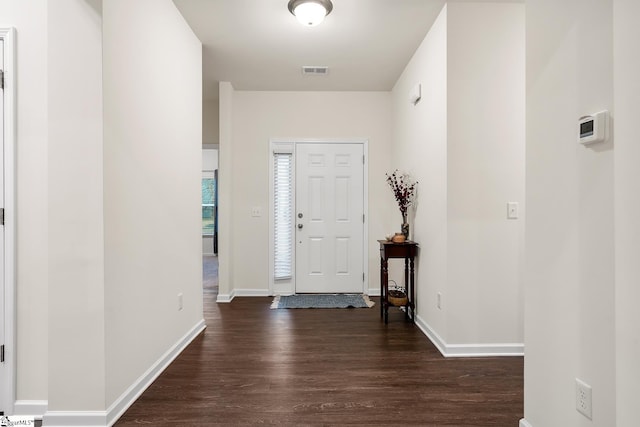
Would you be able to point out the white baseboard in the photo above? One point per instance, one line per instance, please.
(225, 298)
(252, 292)
(468, 350)
(432, 335)
(127, 398)
(524, 423)
(373, 292)
(31, 408)
(110, 416)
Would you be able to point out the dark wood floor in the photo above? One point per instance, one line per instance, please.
(254, 365)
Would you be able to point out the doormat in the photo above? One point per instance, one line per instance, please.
(322, 301)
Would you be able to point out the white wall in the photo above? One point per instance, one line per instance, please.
(464, 143)
(210, 121)
(226, 195)
(259, 116)
(209, 159)
(485, 170)
(152, 161)
(30, 21)
(626, 33)
(60, 288)
(419, 146)
(569, 309)
(76, 337)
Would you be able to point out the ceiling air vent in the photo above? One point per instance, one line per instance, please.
(314, 71)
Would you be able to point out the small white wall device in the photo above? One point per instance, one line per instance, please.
(594, 128)
(415, 94)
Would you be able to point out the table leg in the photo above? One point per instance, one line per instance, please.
(406, 287)
(384, 288)
(412, 287)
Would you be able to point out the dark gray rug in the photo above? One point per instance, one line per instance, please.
(322, 301)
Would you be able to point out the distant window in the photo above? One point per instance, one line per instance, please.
(208, 203)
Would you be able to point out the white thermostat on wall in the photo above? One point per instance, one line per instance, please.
(594, 128)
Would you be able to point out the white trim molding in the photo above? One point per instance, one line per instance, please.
(127, 398)
(524, 423)
(288, 145)
(468, 350)
(110, 416)
(251, 293)
(8, 388)
(30, 408)
(373, 292)
(226, 298)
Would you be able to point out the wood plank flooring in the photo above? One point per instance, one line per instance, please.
(254, 365)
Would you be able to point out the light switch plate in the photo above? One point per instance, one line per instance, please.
(512, 210)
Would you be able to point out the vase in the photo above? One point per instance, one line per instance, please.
(405, 226)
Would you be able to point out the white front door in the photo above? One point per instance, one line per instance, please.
(329, 218)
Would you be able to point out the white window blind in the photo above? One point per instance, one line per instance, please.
(283, 215)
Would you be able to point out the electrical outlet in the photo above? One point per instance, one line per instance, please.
(583, 398)
(256, 211)
(439, 301)
(180, 301)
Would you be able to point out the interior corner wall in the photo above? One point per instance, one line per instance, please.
(419, 147)
(569, 285)
(152, 178)
(260, 116)
(626, 33)
(225, 194)
(464, 143)
(76, 344)
(32, 305)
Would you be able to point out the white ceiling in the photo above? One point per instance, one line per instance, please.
(259, 45)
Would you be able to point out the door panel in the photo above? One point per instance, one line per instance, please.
(330, 226)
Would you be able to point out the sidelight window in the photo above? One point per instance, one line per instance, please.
(283, 215)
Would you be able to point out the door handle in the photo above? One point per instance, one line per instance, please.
(300, 226)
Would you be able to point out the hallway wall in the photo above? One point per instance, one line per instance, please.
(464, 143)
(71, 328)
(570, 270)
(152, 161)
(76, 322)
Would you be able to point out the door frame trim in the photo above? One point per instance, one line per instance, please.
(291, 143)
(8, 35)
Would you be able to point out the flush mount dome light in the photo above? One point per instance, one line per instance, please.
(310, 12)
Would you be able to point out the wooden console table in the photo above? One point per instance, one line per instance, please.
(406, 250)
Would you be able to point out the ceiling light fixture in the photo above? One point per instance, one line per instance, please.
(310, 12)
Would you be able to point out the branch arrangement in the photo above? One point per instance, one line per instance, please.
(404, 189)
